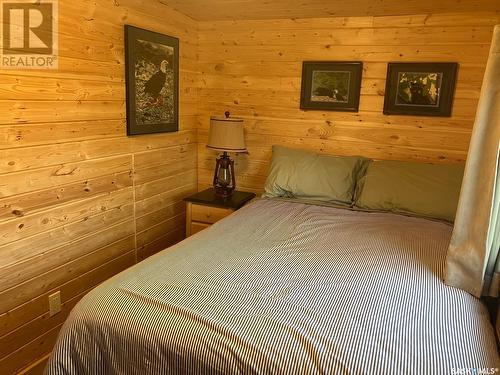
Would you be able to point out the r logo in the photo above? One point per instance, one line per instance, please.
(29, 33)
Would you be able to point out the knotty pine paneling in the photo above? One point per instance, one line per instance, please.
(296, 9)
(253, 68)
(79, 200)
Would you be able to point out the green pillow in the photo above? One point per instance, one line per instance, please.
(307, 175)
(423, 189)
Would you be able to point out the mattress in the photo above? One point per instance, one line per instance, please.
(285, 288)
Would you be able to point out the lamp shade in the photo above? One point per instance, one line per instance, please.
(226, 134)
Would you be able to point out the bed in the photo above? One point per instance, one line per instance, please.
(282, 287)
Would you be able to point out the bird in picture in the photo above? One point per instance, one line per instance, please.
(155, 84)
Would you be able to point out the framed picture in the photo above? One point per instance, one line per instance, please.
(331, 85)
(152, 81)
(422, 89)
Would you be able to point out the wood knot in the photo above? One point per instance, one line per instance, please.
(63, 171)
(17, 213)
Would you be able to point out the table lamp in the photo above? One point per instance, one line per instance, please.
(226, 135)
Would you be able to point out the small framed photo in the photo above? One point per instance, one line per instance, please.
(420, 89)
(152, 81)
(331, 85)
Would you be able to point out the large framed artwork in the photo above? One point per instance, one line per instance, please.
(331, 85)
(152, 81)
(421, 89)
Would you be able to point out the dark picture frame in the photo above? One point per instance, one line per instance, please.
(331, 85)
(420, 89)
(152, 81)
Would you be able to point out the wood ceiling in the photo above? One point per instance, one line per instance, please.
(212, 10)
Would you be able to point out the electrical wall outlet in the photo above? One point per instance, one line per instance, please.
(55, 303)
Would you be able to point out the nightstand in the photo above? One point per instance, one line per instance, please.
(205, 208)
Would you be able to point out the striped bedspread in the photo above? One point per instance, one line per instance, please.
(285, 288)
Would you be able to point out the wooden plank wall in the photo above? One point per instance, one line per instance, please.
(265, 9)
(79, 200)
(253, 69)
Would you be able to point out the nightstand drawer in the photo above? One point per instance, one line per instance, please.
(206, 208)
(198, 227)
(208, 214)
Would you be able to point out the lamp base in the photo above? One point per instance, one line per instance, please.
(224, 180)
(223, 192)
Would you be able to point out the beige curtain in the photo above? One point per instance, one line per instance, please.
(472, 263)
(492, 274)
